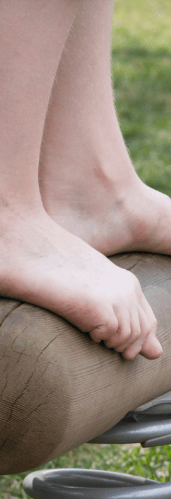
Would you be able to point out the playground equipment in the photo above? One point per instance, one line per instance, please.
(150, 425)
(59, 389)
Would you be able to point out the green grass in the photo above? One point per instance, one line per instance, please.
(141, 71)
(154, 463)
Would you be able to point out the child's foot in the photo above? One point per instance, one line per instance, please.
(87, 181)
(113, 213)
(42, 263)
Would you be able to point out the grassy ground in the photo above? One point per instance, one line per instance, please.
(141, 71)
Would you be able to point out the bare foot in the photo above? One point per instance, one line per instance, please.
(136, 219)
(88, 183)
(44, 264)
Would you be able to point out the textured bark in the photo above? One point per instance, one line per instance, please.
(59, 389)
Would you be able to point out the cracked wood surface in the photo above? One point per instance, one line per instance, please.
(59, 389)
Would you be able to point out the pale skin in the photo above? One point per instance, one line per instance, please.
(88, 203)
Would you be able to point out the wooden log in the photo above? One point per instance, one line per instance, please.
(59, 389)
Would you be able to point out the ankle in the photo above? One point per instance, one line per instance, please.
(16, 204)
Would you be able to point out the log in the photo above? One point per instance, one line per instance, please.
(59, 389)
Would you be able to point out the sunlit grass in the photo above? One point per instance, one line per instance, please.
(141, 71)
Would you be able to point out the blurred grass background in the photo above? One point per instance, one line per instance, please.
(141, 74)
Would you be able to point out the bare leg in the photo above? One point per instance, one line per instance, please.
(31, 41)
(41, 262)
(87, 181)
